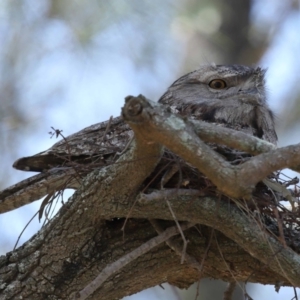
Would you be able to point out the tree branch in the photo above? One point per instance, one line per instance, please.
(179, 136)
(242, 228)
(85, 236)
(212, 133)
(126, 259)
(36, 187)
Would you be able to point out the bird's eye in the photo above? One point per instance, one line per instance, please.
(217, 84)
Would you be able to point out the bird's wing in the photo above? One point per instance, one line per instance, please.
(93, 144)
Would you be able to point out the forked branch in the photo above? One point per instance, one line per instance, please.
(84, 238)
(180, 137)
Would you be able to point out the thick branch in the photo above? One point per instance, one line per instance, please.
(232, 222)
(126, 259)
(79, 220)
(212, 133)
(36, 187)
(178, 136)
(260, 166)
(70, 252)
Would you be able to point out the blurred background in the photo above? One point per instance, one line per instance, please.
(69, 64)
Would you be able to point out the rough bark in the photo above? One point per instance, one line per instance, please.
(88, 234)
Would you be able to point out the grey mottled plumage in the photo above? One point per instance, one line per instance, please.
(97, 143)
(232, 95)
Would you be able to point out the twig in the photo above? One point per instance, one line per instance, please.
(168, 175)
(231, 285)
(176, 247)
(229, 290)
(16, 244)
(181, 232)
(203, 260)
(295, 293)
(163, 194)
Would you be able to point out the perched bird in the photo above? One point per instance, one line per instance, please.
(233, 96)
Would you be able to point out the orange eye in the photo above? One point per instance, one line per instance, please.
(217, 84)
